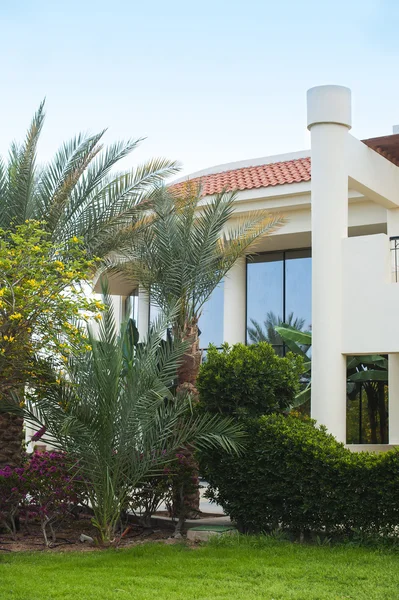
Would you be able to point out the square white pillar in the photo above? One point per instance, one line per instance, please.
(234, 315)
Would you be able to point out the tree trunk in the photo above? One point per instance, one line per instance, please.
(187, 374)
(11, 440)
(188, 370)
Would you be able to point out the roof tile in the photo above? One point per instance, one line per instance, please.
(247, 178)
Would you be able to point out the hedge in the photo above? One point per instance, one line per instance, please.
(296, 476)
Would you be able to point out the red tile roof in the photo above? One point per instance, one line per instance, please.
(247, 178)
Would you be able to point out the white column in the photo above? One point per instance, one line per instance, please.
(393, 398)
(143, 317)
(329, 120)
(117, 306)
(234, 313)
(393, 359)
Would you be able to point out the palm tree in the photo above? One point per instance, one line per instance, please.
(267, 332)
(116, 416)
(186, 253)
(76, 194)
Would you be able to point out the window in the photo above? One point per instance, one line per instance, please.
(279, 288)
(132, 306)
(211, 320)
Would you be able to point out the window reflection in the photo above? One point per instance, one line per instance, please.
(132, 306)
(211, 320)
(278, 291)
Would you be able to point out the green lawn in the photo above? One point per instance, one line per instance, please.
(243, 569)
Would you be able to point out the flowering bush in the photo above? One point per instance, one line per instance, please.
(41, 300)
(12, 495)
(47, 486)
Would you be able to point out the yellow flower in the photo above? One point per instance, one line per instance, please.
(75, 240)
(59, 264)
(98, 317)
(36, 248)
(32, 282)
(2, 292)
(88, 347)
(15, 317)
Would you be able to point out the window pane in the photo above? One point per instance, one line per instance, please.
(264, 293)
(298, 288)
(131, 306)
(211, 320)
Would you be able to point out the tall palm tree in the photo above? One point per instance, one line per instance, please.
(266, 332)
(183, 256)
(76, 194)
(187, 251)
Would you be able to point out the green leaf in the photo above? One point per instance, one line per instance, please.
(370, 375)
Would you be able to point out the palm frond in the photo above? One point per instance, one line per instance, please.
(17, 191)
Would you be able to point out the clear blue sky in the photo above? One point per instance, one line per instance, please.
(206, 82)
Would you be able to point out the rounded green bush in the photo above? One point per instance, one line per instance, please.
(248, 380)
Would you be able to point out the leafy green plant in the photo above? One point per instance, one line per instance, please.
(296, 476)
(115, 414)
(367, 372)
(248, 380)
(266, 332)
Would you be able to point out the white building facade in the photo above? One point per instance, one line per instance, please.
(331, 265)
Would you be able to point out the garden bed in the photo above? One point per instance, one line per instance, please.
(68, 534)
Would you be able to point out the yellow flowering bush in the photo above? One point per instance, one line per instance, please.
(43, 306)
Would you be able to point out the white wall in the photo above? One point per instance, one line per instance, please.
(370, 300)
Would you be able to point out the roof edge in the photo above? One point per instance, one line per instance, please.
(242, 164)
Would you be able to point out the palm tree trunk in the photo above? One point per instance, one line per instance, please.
(189, 368)
(187, 377)
(11, 439)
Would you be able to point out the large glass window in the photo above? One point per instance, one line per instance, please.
(298, 288)
(211, 319)
(278, 291)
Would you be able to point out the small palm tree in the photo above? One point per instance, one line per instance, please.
(76, 194)
(116, 416)
(187, 251)
(267, 332)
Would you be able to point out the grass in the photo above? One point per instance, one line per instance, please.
(243, 568)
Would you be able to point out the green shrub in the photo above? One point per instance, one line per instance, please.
(248, 380)
(295, 475)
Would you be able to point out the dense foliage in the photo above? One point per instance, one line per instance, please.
(186, 253)
(248, 380)
(296, 476)
(41, 304)
(115, 414)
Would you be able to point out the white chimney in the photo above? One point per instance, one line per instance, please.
(395, 129)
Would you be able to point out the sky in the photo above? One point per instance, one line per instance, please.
(205, 82)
